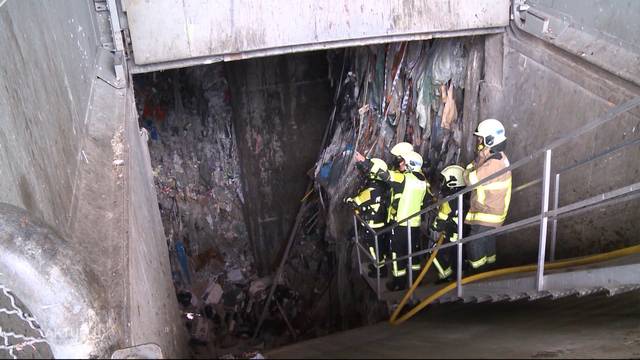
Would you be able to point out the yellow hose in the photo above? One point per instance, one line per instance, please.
(495, 273)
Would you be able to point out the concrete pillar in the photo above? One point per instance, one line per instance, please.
(280, 108)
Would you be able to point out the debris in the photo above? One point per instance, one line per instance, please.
(213, 294)
(259, 285)
(200, 330)
(450, 112)
(235, 275)
(144, 351)
(182, 259)
(184, 298)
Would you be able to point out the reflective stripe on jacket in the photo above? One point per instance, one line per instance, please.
(489, 202)
(370, 204)
(445, 213)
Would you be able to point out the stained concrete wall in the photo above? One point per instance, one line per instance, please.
(46, 74)
(280, 108)
(152, 308)
(166, 30)
(541, 94)
(62, 137)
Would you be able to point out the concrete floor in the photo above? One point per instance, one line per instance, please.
(588, 327)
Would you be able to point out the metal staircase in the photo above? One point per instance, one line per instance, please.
(612, 276)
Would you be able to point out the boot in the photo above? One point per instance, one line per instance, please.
(397, 284)
(373, 273)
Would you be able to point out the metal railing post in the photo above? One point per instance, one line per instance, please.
(554, 224)
(459, 246)
(543, 220)
(410, 251)
(377, 259)
(355, 227)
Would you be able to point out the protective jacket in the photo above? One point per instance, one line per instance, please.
(408, 191)
(371, 203)
(489, 202)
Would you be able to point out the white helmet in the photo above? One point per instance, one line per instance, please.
(453, 176)
(401, 148)
(413, 161)
(492, 132)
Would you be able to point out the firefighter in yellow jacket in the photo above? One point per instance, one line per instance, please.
(489, 202)
(409, 188)
(371, 204)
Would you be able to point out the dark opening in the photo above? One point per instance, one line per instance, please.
(239, 149)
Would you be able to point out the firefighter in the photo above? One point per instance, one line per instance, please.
(489, 202)
(446, 221)
(371, 204)
(408, 190)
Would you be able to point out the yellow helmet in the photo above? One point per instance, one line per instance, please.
(453, 176)
(377, 166)
(401, 148)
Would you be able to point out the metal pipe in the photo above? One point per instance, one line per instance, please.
(554, 224)
(356, 239)
(543, 220)
(459, 263)
(410, 260)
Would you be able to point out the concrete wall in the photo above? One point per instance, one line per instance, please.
(280, 108)
(61, 129)
(46, 76)
(153, 307)
(542, 93)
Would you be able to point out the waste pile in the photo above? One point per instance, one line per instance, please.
(194, 156)
(385, 94)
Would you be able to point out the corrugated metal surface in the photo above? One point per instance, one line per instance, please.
(169, 30)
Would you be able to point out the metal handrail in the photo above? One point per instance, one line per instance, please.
(608, 116)
(542, 218)
(589, 203)
(610, 151)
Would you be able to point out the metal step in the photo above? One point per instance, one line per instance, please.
(613, 279)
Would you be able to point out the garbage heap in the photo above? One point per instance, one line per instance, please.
(385, 94)
(194, 155)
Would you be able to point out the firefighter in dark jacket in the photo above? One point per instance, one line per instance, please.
(371, 204)
(446, 221)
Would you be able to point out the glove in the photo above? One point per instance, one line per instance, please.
(364, 166)
(383, 175)
(438, 225)
(450, 227)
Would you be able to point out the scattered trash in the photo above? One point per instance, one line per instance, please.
(235, 275)
(259, 285)
(200, 330)
(213, 294)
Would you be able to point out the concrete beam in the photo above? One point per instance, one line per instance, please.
(170, 30)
